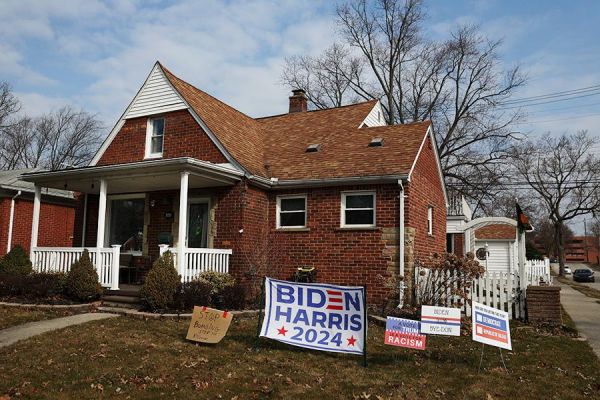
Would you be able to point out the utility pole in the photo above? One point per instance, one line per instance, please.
(585, 241)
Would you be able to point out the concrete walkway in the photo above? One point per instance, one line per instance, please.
(585, 312)
(13, 334)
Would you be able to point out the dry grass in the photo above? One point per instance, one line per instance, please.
(586, 290)
(11, 316)
(150, 359)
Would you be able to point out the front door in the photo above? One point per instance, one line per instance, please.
(197, 224)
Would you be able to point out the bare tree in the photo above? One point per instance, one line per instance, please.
(565, 175)
(545, 236)
(59, 139)
(324, 77)
(459, 84)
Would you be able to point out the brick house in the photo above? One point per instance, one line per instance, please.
(57, 212)
(332, 189)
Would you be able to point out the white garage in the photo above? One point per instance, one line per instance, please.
(494, 242)
(499, 254)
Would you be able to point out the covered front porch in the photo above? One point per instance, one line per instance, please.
(132, 213)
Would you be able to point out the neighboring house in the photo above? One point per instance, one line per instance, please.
(57, 214)
(332, 189)
(493, 240)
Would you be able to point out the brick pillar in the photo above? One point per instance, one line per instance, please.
(543, 304)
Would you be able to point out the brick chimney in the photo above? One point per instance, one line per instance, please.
(298, 101)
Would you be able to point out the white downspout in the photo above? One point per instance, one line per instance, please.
(10, 221)
(401, 244)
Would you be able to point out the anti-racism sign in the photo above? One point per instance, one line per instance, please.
(404, 333)
(208, 325)
(315, 316)
(490, 326)
(440, 321)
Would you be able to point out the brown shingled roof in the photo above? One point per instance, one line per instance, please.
(276, 146)
(344, 150)
(496, 231)
(240, 134)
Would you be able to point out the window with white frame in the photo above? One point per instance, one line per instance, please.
(430, 220)
(291, 211)
(155, 137)
(358, 209)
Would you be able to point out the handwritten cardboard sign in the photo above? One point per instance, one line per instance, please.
(208, 325)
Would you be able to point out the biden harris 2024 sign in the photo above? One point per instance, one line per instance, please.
(315, 316)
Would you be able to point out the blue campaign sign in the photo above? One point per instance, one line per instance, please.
(315, 316)
(490, 326)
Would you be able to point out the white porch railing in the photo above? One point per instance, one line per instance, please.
(60, 259)
(196, 261)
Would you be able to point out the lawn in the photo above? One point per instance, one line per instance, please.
(11, 316)
(148, 359)
(588, 291)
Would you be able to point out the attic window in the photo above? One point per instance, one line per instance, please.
(313, 148)
(376, 142)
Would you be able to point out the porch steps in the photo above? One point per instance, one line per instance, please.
(127, 297)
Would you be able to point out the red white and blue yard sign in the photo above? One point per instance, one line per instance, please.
(490, 326)
(315, 316)
(440, 321)
(404, 333)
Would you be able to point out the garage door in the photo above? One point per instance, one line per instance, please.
(498, 257)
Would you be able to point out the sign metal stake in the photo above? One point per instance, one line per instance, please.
(365, 327)
(261, 304)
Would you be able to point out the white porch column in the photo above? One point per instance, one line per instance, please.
(35, 223)
(183, 204)
(101, 214)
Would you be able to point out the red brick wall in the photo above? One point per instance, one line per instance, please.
(543, 304)
(353, 257)
(425, 189)
(459, 244)
(4, 215)
(55, 229)
(183, 137)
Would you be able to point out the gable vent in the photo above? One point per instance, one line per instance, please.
(376, 142)
(313, 148)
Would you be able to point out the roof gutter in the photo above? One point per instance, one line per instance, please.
(115, 168)
(278, 184)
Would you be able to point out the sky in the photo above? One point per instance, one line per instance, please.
(95, 54)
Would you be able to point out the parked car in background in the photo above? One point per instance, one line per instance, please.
(584, 275)
(567, 270)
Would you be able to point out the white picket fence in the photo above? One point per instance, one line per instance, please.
(500, 290)
(60, 259)
(538, 271)
(200, 260)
